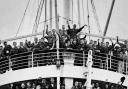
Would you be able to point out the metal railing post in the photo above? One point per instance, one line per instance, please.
(32, 60)
(89, 66)
(126, 66)
(111, 59)
(83, 58)
(10, 64)
(107, 61)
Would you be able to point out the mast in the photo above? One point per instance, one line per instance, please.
(50, 7)
(108, 19)
(88, 17)
(79, 17)
(57, 42)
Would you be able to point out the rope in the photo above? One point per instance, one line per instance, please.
(96, 17)
(83, 11)
(88, 18)
(72, 11)
(36, 23)
(47, 20)
(45, 14)
(67, 19)
(22, 18)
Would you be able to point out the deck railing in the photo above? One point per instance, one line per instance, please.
(49, 57)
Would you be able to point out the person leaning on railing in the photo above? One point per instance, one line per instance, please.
(1, 50)
(14, 49)
(7, 49)
(22, 48)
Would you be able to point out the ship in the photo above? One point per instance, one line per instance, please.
(63, 68)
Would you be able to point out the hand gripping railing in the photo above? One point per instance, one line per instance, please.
(49, 57)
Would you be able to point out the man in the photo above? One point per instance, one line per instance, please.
(15, 49)
(97, 86)
(80, 85)
(43, 84)
(23, 86)
(36, 46)
(53, 84)
(76, 86)
(74, 31)
(22, 48)
(29, 86)
(7, 49)
(107, 47)
(28, 45)
(42, 44)
(1, 50)
(51, 38)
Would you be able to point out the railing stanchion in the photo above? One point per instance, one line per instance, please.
(10, 63)
(32, 60)
(126, 66)
(107, 61)
(83, 58)
(89, 66)
(111, 54)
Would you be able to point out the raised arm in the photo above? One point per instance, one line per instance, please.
(81, 28)
(47, 29)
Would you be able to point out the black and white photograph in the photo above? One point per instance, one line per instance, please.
(63, 44)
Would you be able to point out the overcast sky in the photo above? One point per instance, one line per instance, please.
(11, 12)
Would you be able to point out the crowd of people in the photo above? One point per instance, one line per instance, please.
(68, 39)
(51, 83)
(97, 85)
(48, 83)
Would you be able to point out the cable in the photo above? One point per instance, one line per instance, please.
(23, 17)
(68, 19)
(72, 11)
(88, 18)
(46, 20)
(83, 11)
(39, 11)
(96, 16)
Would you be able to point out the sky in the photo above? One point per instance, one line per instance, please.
(11, 13)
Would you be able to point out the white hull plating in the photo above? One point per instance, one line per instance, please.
(68, 71)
